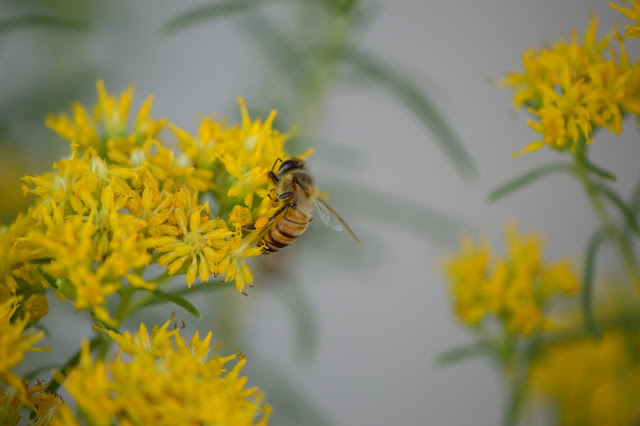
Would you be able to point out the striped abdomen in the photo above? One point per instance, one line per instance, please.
(284, 230)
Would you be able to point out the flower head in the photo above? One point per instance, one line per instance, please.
(158, 377)
(572, 88)
(633, 14)
(590, 381)
(14, 341)
(105, 130)
(45, 406)
(514, 288)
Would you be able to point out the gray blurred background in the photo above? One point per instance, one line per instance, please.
(335, 333)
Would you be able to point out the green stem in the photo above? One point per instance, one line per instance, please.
(608, 225)
(125, 299)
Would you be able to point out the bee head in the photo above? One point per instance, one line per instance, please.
(291, 164)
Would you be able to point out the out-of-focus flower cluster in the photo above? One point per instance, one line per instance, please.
(634, 15)
(573, 88)
(589, 381)
(161, 379)
(17, 393)
(514, 288)
(123, 200)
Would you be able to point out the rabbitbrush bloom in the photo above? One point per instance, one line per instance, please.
(634, 15)
(589, 381)
(573, 88)
(125, 199)
(14, 339)
(514, 288)
(45, 406)
(160, 378)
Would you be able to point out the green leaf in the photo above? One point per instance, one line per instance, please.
(43, 21)
(208, 12)
(33, 374)
(281, 52)
(527, 178)
(635, 198)
(40, 261)
(410, 95)
(389, 209)
(599, 171)
(161, 296)
(465, 352)
(98, 322)
(53, 282)
(587, 286)
(616, 200)
(208, 286)
(634, 204)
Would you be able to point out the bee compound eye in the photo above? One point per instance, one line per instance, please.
(286, 165)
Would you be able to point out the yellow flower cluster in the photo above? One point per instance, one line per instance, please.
(159, 378)
(16, 393)
(514, 288)
(572, 88)
(45, 406)
(123, 199)
(634, 15)
(14, 341)
(591, 382)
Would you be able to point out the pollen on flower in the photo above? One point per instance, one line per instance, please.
(240, 216)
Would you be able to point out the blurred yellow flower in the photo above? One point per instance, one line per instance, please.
(160, 377)
(514, 288)
(14, 341)
(43, 405)
(589, 381)
(572, 88)
(633, 14)
(15, 252)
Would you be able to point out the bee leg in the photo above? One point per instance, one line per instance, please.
(271, 197)
(273, 177)
(285, 195)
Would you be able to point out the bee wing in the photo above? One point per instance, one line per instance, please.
(333, 219)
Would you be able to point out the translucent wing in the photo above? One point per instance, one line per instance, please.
(333, 219)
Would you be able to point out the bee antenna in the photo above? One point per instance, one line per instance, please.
(275, 163)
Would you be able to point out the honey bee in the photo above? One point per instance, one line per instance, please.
(298, 193)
